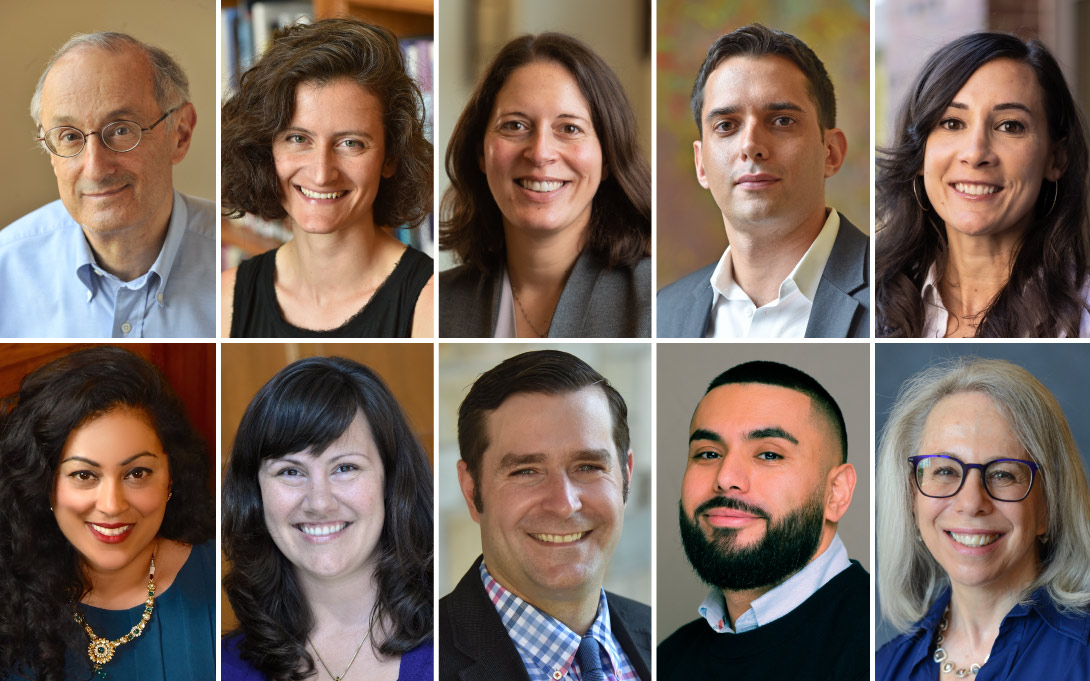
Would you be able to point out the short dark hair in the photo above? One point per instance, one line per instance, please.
(320, 53)
(307, 406)
(42, 574)
(1044, 294)
(784, 376)
(549, 372)
(620, 225)
(756, 40)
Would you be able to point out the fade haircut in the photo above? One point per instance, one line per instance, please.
(783, 376)
(756, 40)
(546, 372)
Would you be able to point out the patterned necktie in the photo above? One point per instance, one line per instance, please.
(590, 660)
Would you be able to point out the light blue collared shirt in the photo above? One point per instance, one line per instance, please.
(782, 599)
(52, 287)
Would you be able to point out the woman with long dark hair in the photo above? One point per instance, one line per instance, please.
(327, 524)
(981, 199)
(549, 205)
(107, 558)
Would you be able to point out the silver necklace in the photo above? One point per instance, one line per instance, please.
(946, 665)
(350, 662)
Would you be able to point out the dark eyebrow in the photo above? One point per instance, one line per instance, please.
(514, 460)
(770, 107)
(339, 133)
(1005, 106)
(702, 434)
(771, 432)
(126, 462)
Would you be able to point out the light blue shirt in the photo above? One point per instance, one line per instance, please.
(52, 287)
(783, 598)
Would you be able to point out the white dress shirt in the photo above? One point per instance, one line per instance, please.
(735, 316)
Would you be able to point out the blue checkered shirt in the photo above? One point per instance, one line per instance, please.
(547, 646)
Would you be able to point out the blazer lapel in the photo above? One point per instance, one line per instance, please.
(481, 635)
(639, 656)
(835, 311)
(570, 316)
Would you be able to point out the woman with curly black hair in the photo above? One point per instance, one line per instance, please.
(108, 564)
(327, 130)
(327, 524)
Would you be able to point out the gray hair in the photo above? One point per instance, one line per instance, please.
(168, 79)
(909, 578)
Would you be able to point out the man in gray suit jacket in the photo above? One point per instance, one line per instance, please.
(766, 114)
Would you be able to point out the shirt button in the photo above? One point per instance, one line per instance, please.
(749, 311)
(557, 674)
(159, 297)
(126, 327)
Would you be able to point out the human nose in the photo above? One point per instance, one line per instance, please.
(754, 143)
(563, 496)
(111, 499)
(319, 498)
(542, 147)
(972, 498)
(978, 150)
(325, 167)
(99, 161)
(732, 475)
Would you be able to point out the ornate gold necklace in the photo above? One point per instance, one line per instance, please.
(101, 650)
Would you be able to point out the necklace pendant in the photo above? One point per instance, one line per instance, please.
(101, 651)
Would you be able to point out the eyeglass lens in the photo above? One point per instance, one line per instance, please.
(119, 136)
(939, 476)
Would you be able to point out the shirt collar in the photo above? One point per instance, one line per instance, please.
(782, 599)
(805, 277)
(87, 268)
(548, 641)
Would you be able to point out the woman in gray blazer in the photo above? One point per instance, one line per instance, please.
(549, 207)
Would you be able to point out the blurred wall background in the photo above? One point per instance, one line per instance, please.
(187, 30)
(689, 224)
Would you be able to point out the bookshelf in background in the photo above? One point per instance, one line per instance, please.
(246, 28)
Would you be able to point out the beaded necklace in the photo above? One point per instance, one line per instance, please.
(101, 650)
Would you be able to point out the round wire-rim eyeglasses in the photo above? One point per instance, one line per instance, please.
(120, 136)
(965, 468)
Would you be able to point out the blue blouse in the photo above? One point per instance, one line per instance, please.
(1035, 641)
(416, 665)
(179, 641)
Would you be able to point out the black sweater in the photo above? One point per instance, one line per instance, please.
(826, 638)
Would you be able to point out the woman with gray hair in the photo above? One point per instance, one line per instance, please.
(983, 529)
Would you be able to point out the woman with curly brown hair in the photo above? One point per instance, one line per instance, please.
(549, 208)
(327, 131)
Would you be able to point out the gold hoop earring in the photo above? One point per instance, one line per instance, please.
(918, 202)
(1055, 195)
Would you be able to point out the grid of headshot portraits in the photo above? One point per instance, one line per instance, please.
(671, 340)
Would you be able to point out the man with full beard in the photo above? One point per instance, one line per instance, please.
(766, 482)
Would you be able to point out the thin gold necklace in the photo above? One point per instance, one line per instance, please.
(350, 662)
(101, 650)
(526, 316)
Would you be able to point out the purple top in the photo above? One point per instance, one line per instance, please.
(416, 665)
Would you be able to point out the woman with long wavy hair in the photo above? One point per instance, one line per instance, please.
(327, 524)
(981, 199)
(107, 552)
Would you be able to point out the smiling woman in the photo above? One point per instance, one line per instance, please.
(549, 207)
(983, 529)
(327, 523)
(981, 200)
(105, 535)
(327, 131)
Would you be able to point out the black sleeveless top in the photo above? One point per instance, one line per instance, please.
(389, 313)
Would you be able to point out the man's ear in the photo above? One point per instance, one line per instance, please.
(465, 481)
(839, 487)
(182, 136)
(698, 161)
(836, 146)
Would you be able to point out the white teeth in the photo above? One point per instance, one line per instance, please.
(975, 189)
(559, 538)
(322, 530)
(974, 540)
(542, 187)
(319, 195)
(111, 531)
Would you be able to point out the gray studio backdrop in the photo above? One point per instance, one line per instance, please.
(1063, 368)
(684, 371)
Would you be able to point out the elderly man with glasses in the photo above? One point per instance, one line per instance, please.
(121, 254)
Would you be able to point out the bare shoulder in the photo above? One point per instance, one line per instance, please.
(424, 313)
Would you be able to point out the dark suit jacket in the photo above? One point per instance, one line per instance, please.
(596, 302)
(841, 304)
(475, 646)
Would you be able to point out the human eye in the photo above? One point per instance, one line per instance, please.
(724, 126)
(138, 474)
(294, 138)
(346, 468)
(289, 472)
(783, 121)
(68, 135)
(769, 456)
(705, 455)
(512, 127)
(1011, 126)
(570, 130)
(83, 476)
(950, 123)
